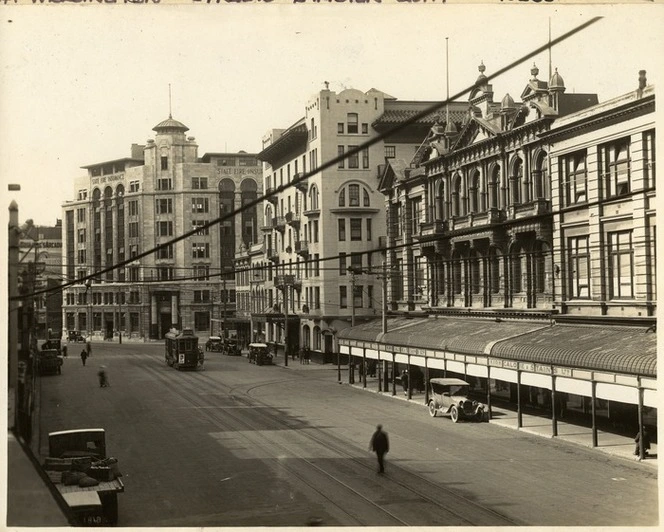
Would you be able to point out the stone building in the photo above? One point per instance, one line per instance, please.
(126, 207)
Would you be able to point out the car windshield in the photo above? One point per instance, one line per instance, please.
(459, 390)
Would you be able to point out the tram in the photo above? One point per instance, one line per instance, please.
(182, 351)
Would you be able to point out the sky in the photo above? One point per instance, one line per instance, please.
(80, 83)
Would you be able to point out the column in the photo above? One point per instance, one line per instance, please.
(175, 321)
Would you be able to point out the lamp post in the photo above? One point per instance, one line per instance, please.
(120, 316)
(88, 284)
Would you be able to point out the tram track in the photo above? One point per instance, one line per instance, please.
(446, 502)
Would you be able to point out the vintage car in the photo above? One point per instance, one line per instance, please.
(52, 344)
(214, 343)
(49, 362)
(75, 336)
(231, 347)
(259, 354)
(450, 397)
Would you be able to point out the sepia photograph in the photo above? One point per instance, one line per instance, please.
(313, 263)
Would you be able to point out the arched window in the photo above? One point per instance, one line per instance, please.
(495, 259)
(249, 193)
(441, 206)
(515, 185)
(316, 338)
(313, 198)
(352, 192)
(474, 192)
(342, 197)
(519, 269)
(457, 265)
(475, 273)
(456, 200)
(365, 195)
(306, 336)
(494, 185)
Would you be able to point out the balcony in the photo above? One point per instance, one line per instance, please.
(481, 219)
(266, 228)
(293, 219)
(430, 230)
(272, 199)
(279, 223)
(302, 186)
(302, 248)
(282, 281)
(527, 210)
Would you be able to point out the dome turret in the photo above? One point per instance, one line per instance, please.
(481, 79)
(556, 81)
(170, 124)
(507, 103)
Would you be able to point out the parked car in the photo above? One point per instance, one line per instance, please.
(49, 362)
(75, 336)
(214, 343)
(231, 347)
(52, 344)
(450, 397)
(259, 354)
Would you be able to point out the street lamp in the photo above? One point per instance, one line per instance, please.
(333, 332)
(88, 284)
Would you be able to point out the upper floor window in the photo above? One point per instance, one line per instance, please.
(390, 152)
(353, 195)
(579, 267)
(352, 122)
(342, 229)
(134, 186)
(82, 194)
(164, 162)
(199, 183)
(200, 251)
(621, 265)
(313, 198)
(132, 208)
(574, 178)
(165, 252)
(200, 223)
(80, 215)
(164, 184)
(340, 128)
(340, 153)
(649, 158)
(615, 167)
(353, 158)
(247, 161)
(164, 229)
(356, 228)
(164, 205)
(201, 296)
(365, 128)
(200, 205)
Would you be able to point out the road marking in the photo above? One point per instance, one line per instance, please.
(618, 478)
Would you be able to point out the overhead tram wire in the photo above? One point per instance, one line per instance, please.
(330, 163)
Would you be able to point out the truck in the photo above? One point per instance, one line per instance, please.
(72, 453)
(49, 361)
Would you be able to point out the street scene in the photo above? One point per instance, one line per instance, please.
(348, 265)
(235, 444)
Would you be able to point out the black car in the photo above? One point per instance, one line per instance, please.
(259, 354)
(214, 343)
(75, 336)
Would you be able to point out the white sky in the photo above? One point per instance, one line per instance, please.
(80, 84)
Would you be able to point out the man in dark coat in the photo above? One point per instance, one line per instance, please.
(380, 444)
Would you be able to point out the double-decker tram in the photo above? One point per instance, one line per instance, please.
(182, 351)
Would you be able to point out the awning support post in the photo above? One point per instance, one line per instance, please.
(379, 372)
(364, 367)
(593, 413)
(554, 406)
(519, 415)
(488, 391)
(410, 380)
(426, 381)
(394, 375)
(642, 449)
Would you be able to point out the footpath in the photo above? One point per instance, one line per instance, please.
(607, 442)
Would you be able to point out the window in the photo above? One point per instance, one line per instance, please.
(390, 152)
(134, 186)
(343, 297)
(201, 296)
(164, 162)
(199, 183)
(365, 196)
(200, 223)
(164, 228)
(416, 210)
(81, 236)
(574, 177)
(353, 159)
(133, 229)
(368, 228)
(649, 158)
(365, 158)
(579, 268)
(356, 261)
(317, 297)
(165, 252)
(82, 194)
(342, 198)
(356, 228)
(340, 128)
(164, 205)
(370, 296)
(357, 296)
(365, 128)
(340, 153)
(165, 273)
(315, 231)
(80, 215)
(342, 230)
(342, 264)
(132, 207)
(164, 184)
(354, 195)
(200, 205)
(615, 166)
(247, 161)
(352, 122)
(621, 267)
(200, 251)
(81, 256)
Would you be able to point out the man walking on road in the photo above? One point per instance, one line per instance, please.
(380, 444)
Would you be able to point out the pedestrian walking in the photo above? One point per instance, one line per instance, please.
(307, 355)
(103, 378)
(380, 444)
(404, 381)
(84, 356)
(646, 443)
(64, 350)
(88, 346)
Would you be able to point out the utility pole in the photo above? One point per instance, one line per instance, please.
(223, 317)
(352, 295)
(285, 323)
(120, 316)
(384, 316)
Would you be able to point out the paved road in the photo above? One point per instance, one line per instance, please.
(242, 445)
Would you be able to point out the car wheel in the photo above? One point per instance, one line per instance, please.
(432, 409)
(480, 415)
(454, 414)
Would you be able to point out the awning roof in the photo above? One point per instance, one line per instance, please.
(617, 349)
(627, 350)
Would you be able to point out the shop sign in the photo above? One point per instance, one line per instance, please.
(373, 345)
(389, 348)
(541, 368)
(470, 360)
(526, 366)
(563, 372)
(496, 362)
(512, 364)
(481, 360)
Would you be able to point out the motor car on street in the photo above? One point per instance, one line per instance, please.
(49, 362)
(231, 347)
(214, 343)
(259, 354)
(75, 336)
(450, 397)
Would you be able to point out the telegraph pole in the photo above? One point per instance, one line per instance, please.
(384, 316)
(352, 296)
(285, 323)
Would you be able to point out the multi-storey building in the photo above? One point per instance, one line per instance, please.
(526, 247)
(126, 207)
(318, 229)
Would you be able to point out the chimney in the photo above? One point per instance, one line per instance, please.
(642, 79)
